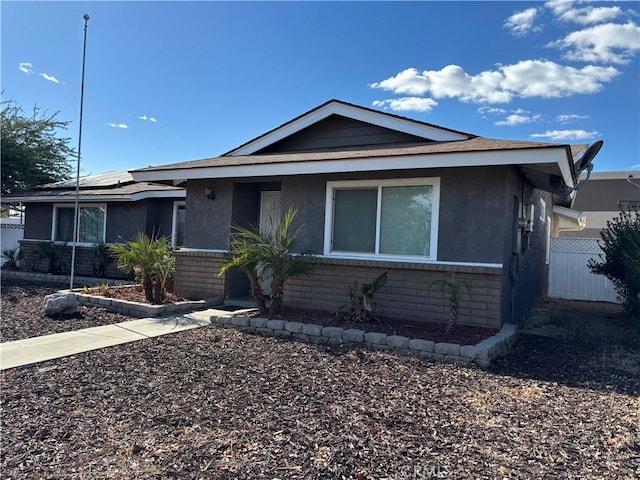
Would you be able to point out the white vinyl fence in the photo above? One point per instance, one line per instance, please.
(11, 232)
(569, 276)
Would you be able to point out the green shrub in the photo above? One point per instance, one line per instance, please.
(152, 262)
(620, 260)
(455, 288)
(101, 259)
(260, 255)
(57, 256)
(12, 258)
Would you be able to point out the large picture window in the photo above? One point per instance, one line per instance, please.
(91, 225)
(383, 218)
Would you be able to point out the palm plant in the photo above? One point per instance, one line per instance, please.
(151, 260)
(57, 256)
(244, 256)
(101, 259)
(278, 257)
(12, 257)
(259, 254)
(455, 288)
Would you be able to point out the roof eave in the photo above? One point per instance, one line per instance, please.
(546, 155)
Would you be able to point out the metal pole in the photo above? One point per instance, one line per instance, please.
(76, 216)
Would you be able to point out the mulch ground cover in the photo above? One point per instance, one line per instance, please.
(217, 403)
(23, 313)
(461, 334)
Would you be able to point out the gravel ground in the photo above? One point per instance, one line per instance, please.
(220, 404)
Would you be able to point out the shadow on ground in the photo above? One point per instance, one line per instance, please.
(578, 344)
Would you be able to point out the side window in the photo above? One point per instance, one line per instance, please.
(177, 230)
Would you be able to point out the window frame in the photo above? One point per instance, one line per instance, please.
(174, 221)
(54, 223)
(332, 186)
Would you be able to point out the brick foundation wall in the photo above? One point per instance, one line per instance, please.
(33, 262)
(408, 292)
(197, 274)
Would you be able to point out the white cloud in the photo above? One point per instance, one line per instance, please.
(570, 118)
(566, 134)
(117, 125)
(521, 23)
(26, 67)
(407, 104)
(567, 11)
(517, 119)
(150, 119)
(605, 43)
(51, 78)
(528, 78)
(491, 111)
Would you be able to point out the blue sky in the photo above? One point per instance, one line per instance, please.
(168, 82)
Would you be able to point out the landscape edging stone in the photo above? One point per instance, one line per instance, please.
(480, 354)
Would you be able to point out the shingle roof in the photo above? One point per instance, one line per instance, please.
(115, 185)
(477, 144)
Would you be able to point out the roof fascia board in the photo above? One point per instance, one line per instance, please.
(443, 160)
(375, 118)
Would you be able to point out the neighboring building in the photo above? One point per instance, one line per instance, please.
(112, 208)
(601, 198)
(378, 192)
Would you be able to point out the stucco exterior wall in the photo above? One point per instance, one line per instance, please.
(208, 222)
(477, 225)
(125, 220)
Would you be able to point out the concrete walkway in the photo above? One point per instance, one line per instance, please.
(40, 349)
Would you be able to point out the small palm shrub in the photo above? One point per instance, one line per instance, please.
(101, 259)
(260, 255)
(244, 256)
(12, 258)
(57, 257)
(152, 262)
(362, 302)
(455, 288)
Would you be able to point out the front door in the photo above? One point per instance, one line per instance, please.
(270, 214)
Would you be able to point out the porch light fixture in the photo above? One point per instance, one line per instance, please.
(211, 195)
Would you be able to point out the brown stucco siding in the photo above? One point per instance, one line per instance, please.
(604, 195)
(197, 274)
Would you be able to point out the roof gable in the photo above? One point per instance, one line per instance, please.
(411, 129)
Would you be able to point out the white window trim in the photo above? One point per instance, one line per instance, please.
(174, 220)
(54, 222)
(435, 210)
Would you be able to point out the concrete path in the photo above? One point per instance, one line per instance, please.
(40, 349)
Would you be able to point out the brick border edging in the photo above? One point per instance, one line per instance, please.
(142, 310)
(50, 278)
(481, 354)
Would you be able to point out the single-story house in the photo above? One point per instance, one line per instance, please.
(379, 192)
(112, 208)
(601, 199)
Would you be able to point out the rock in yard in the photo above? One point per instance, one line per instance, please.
(60, 304)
